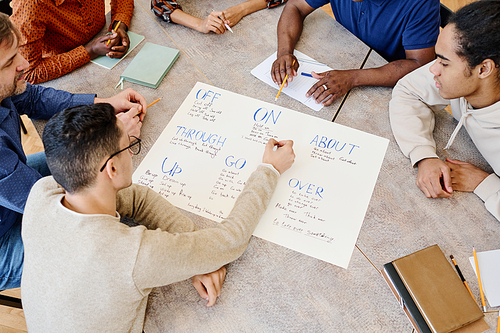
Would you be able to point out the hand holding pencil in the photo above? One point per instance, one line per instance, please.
(119, 43)
(283, 83)
(284, 69)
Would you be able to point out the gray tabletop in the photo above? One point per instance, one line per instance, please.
(272, 288)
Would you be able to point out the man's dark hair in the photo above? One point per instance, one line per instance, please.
(77, 140)
(8, 31)
(477, 27)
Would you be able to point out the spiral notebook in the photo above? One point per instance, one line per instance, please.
(150, 65)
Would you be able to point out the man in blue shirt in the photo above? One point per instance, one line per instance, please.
(18, 172)
(403, 32)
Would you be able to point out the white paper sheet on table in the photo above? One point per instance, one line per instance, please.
(216, 139)
(298, 88)
(489, 268)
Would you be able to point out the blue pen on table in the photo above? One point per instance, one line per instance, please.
(306, 74)
(225, 24)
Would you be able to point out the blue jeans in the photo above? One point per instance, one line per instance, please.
(11, 244)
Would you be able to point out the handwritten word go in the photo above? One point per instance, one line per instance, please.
(332, 143)
(203, 94)
(263, 114)
(239, 164)
(307, 187)
(174, 170)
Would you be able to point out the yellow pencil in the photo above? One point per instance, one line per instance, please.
(498, 323)
(116, 28)
(283, 83)
(479, 279)
(154, 102)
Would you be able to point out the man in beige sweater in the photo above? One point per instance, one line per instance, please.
(87, 272)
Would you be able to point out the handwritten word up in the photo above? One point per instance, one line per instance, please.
(263, 114)
(175, 169)
(332, 143)
(307, 187)
(203, 94)
(193, 134)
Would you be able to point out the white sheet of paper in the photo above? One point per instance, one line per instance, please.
(216, 139)
(489, 267)
(298, 88)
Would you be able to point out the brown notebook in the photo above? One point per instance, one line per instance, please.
(438, 292)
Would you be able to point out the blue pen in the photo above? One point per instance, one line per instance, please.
(306, 74)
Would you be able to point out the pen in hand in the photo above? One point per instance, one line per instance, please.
(225, 24)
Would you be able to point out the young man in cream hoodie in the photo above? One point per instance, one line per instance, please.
(84, 271)
(466, 75)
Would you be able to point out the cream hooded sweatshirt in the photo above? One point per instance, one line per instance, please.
(414, 101)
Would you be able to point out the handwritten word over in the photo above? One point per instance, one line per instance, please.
(306, 187)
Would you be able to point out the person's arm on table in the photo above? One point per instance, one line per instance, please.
(411, 112)
(290, 27)
(39, 102)
(466, 177)
(211, 23)
(235, 13)
(167, 257)
(339, 82)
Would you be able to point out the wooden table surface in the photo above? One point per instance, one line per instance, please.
(272, 288)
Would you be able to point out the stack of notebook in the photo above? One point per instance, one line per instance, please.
(432, 294)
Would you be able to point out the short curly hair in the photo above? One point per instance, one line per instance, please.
(477, 28)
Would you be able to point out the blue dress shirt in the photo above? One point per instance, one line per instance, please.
(16, 178)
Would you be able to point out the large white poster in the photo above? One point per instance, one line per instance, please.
(216, 140)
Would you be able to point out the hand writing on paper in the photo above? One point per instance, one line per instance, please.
(282, 66)
(434, 178)
(119, 44)
(131, 121)
(282, 158)
(465, 177)
(126, 100)
(209, 285)
(337, 84)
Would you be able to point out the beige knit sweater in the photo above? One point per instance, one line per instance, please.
(91, 273)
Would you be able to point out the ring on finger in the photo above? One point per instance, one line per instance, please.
(324, 87)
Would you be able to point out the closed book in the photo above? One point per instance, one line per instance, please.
(404, 298)
(150, 65)
(437, 290)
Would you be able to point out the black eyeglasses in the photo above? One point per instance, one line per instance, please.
(134, 147)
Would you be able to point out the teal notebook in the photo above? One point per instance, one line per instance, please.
(109, 63)
(150, 65)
